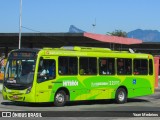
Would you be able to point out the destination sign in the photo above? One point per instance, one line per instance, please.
(20, 55)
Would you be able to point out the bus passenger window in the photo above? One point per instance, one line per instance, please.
(124, 66)
(150, 67)
(106, 66)
(67, 65)
(140, 66)
(88, 66)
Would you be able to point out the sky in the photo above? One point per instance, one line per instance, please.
(57, 15)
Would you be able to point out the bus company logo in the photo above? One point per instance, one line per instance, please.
(6, 114)
(70, 83)
(47, 52)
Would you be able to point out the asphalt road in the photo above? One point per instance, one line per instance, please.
(148, 103)
(89, 109)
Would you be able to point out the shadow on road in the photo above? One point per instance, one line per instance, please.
(94, 102)
(27, 104)
(137, 100)
(76, 103)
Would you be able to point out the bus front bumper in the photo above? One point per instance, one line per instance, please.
(18, 95)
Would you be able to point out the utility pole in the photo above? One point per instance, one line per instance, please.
(20, 24)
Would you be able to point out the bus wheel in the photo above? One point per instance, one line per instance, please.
(60, 98)
(121, 96)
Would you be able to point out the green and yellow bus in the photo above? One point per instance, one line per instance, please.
(75, 73)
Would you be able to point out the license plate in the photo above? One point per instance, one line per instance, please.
(15, 97)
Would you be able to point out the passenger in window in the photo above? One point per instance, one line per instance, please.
(120, 68)
(62, 69)
(44, 69)
(108, 72)
(52, 70)
(103, 68)
(129, 70)
(73, 69)
(70, 71)
(44, 72)
(90, 71)
(136, 72)
(82, 71)
(110, 69)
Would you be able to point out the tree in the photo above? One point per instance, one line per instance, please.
(119, 33)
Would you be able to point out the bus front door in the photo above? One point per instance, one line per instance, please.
(46, 76)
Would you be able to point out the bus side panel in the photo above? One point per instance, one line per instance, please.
(139, 86)
(72, 84)
(86, 87)
(92, 88)
(102, 87)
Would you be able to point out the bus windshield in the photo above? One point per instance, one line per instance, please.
(19, 71)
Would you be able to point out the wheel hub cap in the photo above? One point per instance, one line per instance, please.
(121, 96)
(59, 98)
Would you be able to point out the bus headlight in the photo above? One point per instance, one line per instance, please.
(28, 89)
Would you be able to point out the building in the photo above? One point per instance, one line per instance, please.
(9, 41)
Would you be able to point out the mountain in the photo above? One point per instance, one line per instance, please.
(73, 29)
(145, 35)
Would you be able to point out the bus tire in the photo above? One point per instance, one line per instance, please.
(60, 98)
(121, 96)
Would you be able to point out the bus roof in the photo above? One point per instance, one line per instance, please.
(91, 51)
